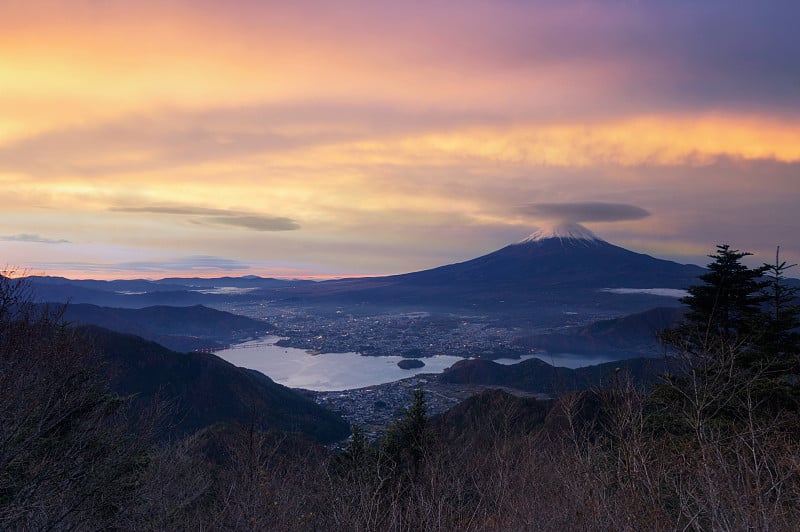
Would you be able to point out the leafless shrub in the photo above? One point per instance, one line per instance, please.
(66, 457)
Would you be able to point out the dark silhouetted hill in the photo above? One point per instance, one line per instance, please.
(629, 336)
(178, 328)
(204, 389)
(490, 414)
(534, 375)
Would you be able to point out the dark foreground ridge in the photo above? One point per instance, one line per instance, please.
(203, 389)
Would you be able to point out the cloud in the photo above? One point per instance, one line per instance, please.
(227, 217)
(194, 262)
(26, 237)
(174, 209)
(257, 223)
(190, 263)
(174, 137)
(589, 211)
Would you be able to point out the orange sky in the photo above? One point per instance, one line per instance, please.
(163, 138)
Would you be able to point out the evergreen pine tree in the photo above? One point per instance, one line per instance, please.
(406, 440)
(715, 347)
(724, 318)
(729, 300)
(735, 347)
(774, 359)
(780, 342)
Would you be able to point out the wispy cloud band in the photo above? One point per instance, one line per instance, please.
(27, 237)
(224, 217)
(194, 263)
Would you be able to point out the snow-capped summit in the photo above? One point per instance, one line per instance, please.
(564, 231)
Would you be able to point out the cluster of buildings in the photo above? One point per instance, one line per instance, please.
(374, 408)
(409, 335)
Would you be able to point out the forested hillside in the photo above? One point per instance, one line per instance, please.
(711, 444)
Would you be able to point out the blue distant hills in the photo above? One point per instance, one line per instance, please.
(566, 269)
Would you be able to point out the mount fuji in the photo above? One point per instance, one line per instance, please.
(557, 270)
(565, 265)
(567, 255)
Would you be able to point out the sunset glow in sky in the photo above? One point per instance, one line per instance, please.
(153, 139)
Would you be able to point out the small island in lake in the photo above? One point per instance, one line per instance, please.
(410, 363)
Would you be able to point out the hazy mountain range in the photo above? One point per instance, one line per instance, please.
(566, 267)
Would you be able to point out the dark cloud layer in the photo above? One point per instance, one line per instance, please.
(589, 211)
(256, 223)
(26, 237)
(227, 217)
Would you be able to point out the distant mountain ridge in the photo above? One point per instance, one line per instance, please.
(564, 268)
(138, 293)
(562, 264)
(177, 328)
(167, 284)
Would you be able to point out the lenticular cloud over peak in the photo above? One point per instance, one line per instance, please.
(585, 211)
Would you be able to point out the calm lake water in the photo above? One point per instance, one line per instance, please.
(326, 372)
(297, 368)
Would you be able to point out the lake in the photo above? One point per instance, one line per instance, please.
(297, 368)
